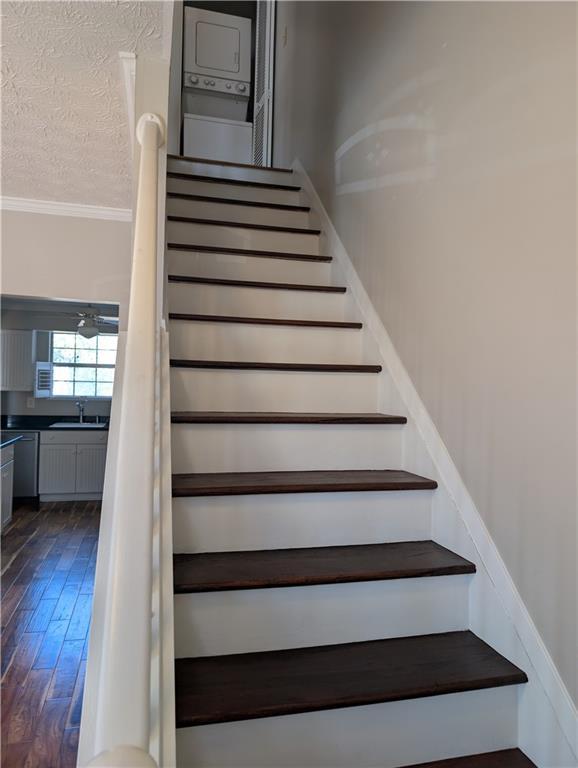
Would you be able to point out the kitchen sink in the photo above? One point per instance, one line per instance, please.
(77, 425)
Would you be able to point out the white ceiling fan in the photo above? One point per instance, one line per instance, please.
(90, 325)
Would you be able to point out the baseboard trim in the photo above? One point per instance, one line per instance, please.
(544, 670)
(55, 208)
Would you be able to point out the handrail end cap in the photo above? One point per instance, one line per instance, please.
(123, 757)
(150, 117)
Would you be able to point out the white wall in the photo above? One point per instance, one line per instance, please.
(441, 138)
(66, 257)
(18, 404)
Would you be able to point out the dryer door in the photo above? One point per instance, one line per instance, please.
(217, 44)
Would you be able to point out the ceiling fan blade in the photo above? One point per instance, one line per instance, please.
(110, 324)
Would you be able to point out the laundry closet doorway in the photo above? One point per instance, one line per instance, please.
(227, 80)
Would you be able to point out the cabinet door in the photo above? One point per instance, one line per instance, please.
(7, 481)
(57, 470)
(16, 355)
(90, 463)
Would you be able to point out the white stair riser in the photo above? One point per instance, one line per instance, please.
(282, 344)
(242, 621)
(204, 389)
(240, 237)
(287, 447)
(234, 191)
(256, 302)
(378, 736)
(231, 172)
(237, 267)
(279, 521)
(202, 209)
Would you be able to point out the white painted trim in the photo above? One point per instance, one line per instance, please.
(55, 208)
(169, 10)
(167, 733)
(544, 669)
(128, 73)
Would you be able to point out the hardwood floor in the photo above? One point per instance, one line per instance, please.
(48, 562)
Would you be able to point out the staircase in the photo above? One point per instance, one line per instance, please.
(316, 623)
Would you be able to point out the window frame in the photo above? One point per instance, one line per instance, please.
(55, 365)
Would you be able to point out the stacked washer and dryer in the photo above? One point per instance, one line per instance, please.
(216, 86)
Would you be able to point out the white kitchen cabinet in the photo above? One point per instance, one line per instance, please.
(72, 463)
(57, 470)
(90, 463)
(17, 353)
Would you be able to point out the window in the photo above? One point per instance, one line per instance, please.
(82, 367)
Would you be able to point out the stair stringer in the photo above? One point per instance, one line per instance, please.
(547, 716)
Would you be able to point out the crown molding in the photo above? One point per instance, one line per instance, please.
(55, 208)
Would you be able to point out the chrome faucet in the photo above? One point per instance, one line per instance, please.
(81, 404)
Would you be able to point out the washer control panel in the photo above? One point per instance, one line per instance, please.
(229, 87)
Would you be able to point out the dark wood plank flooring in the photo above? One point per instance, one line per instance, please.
(215, 571)
(217, 689)
(48, 563)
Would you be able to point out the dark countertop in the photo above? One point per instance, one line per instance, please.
(37, 423)
(6, 440)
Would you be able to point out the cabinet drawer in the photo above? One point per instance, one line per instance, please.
(73, 437)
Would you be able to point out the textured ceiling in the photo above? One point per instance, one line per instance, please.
(64, 117)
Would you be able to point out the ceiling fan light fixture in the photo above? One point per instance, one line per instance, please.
(87, 327)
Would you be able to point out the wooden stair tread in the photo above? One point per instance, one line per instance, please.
(264, 321)
(236, 182)
(218, 571)
(228, 163)
(249, 365)
(326, 481)
(256, 284)
(270, 417)
(259, 254)
(245, 225)
(232, 201)
(221, 689)
(503, 758)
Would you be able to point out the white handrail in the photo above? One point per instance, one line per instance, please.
(122, 732)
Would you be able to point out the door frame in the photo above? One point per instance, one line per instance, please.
(267, 99)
